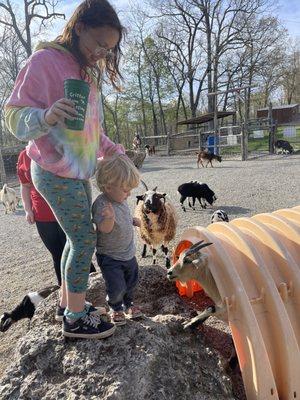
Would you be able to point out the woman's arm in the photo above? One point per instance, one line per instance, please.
(108, 147)
(26, 199)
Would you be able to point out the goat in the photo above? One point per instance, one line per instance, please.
(150, 150)
(9, 198)
(219, 216)
(196, 190)
(206, 156)
(158, 222)
(26, 308)
(193, 264)
(284, 146)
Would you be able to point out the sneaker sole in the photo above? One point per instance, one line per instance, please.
(135, 316)
(101, 335)
(119, 323)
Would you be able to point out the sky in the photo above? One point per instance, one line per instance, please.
(288, 12)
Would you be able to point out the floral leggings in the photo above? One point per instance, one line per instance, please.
(70, 201)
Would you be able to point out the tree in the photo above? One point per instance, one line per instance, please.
(41, 11)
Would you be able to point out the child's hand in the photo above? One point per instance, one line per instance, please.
(29, 217)
(61, 109)
(108, 212)
(136, 222)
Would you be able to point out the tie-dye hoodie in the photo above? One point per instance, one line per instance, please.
(64, 152)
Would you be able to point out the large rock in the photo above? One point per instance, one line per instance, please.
(137, 157)
(152, 358)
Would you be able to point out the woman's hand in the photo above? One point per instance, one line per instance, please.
(29, 217)
(61, 109)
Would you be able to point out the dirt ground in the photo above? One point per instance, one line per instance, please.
(242, 188)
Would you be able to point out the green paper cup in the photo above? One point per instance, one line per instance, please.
(78, 91)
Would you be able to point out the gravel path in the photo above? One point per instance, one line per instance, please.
(242, 188)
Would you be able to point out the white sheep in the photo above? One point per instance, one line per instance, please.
(8, 198)
(158, 222)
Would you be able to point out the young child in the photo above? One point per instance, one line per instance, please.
(63, 160)
(116, 177)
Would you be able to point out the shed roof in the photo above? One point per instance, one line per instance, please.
(201, 119)
(282, 107)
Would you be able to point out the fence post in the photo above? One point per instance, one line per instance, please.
(271, 130)
(168, 143)
(244, 142)
(2, 169)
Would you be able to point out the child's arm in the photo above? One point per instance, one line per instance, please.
(26, 199)
(107, 219)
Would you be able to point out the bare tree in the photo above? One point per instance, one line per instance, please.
(21, 23)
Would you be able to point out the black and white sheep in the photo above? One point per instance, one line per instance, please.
(219, 216)
(196, 190)
(26, 308)
(158, 222)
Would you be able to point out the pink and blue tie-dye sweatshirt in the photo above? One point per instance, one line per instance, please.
(64, 152)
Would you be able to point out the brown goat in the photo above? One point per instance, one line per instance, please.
(206, 156)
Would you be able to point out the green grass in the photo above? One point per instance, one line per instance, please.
(263, 143)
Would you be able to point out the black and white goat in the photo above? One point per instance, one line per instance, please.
(196, 190)
(158, 222)
(26, 308)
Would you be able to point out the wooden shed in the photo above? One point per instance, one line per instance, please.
(284, 114)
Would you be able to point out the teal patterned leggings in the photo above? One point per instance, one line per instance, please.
(70, 201)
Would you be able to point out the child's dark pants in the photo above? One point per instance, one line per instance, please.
(120, 278)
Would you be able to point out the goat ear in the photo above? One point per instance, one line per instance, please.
(200, 262)
(139, 198)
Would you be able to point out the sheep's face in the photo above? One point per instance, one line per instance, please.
(189, 262)
(152, 201)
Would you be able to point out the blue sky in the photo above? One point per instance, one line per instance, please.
(289, 14)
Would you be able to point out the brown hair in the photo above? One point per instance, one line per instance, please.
(94, 14)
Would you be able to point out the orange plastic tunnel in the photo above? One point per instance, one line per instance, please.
(256, 265)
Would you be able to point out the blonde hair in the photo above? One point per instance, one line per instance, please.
(117, 170)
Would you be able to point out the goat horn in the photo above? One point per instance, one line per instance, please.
(197, 246)
(144, 184)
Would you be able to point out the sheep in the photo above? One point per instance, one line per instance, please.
(193, 264)
(206, 156)
(27, 307)
(9, 198)
(158, 222)
(196, 190)
(284, 146)
(219, 216)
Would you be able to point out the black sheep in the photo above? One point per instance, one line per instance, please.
(196, 190)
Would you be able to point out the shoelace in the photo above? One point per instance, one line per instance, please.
(92, 320)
